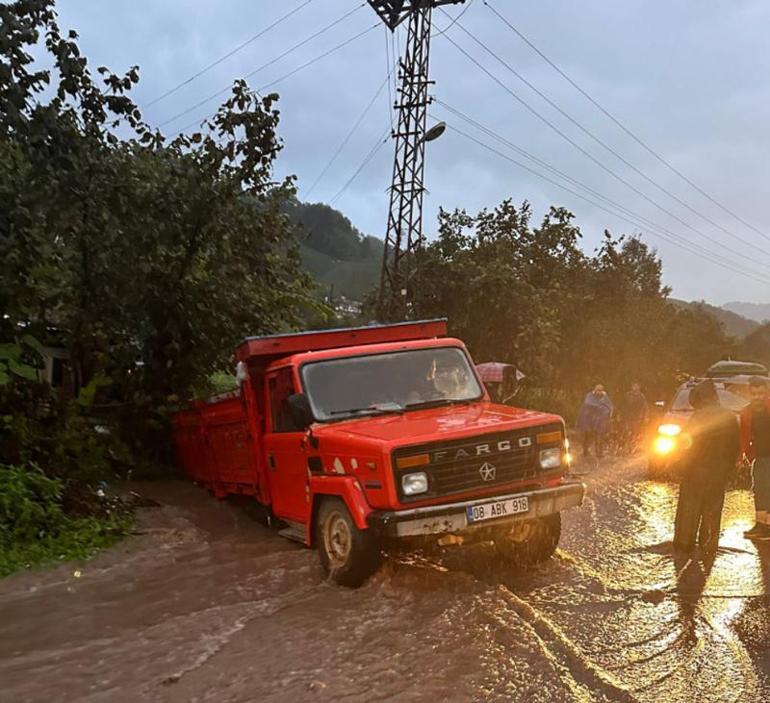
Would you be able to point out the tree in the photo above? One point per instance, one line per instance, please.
(151, 257)
(529, 296)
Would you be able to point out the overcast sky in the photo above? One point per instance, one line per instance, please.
(691, 79)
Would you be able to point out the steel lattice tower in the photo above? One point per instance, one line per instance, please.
(404, 238)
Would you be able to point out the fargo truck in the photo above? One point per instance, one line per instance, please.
(362, 438)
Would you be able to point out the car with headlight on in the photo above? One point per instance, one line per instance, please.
(671, 439)
(371, 438)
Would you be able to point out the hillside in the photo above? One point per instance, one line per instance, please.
(344, 261)
(759, 312)
(352, 279)
(736, 325)
(756, 347)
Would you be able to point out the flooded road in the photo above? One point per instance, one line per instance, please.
(206, 604)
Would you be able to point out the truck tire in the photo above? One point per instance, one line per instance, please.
(537, 546)
(349, 556)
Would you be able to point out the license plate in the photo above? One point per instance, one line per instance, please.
(496, 509)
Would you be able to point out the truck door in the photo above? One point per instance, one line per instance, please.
(284, 451)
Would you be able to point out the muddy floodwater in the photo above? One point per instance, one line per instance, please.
(207, 604)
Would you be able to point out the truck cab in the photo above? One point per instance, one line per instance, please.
(364, 438)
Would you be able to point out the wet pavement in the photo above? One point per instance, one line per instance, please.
(206, 604)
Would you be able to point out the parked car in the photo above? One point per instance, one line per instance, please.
(730, 369)
(356, 438)
(670, 439)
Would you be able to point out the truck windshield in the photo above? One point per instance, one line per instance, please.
(393, 382)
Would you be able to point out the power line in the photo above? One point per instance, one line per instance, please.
(615, 153)
(627, 130)
(296, 46)
(389, 63)
(707, 256)
(577, 146)
(292, 72)
(349, 135)
(230, 53)
(648, 224)
(372, 153)
(455, 20)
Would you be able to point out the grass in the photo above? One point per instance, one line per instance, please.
(77, 539)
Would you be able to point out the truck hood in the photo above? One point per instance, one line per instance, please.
(416, 426)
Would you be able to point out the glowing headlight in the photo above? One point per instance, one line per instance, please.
(550, 458)
(670, 430)
(664, 445)
(413, 484)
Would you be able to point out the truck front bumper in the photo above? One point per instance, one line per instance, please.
(453, 517)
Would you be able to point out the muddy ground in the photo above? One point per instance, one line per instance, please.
(206, 604)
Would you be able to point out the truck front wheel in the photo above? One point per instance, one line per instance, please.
(349, 556)
(529, 542)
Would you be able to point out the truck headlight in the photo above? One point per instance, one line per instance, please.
(550, 458)
(413, 484)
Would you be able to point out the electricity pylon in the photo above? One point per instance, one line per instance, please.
(404, 238)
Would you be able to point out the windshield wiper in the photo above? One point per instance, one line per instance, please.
(372, 409)
(438, 402)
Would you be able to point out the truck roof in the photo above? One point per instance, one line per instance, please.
(266, 349)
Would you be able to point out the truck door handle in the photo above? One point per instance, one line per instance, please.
(271, 462)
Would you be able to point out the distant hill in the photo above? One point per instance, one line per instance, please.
(736, 325)
(344, 261)
(760, 312)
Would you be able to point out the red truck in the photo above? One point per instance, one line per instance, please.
(365, 438)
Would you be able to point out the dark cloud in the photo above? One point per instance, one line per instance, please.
(690, 79)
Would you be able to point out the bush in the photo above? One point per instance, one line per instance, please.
(35, 529)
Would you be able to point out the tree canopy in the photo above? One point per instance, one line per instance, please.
(147, 257)
(527, 294)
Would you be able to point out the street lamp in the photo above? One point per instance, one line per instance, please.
(435, 132)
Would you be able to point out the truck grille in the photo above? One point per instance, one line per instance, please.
(475, 463)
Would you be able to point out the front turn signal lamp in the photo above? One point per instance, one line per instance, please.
(409, 462)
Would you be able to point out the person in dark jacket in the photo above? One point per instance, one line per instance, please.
(633, 415)
(755, 442)
(707, 465)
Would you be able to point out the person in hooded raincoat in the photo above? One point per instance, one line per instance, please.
(594, 420)
(714, 444)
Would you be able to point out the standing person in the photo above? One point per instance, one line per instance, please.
(594, 420)
(706, 468)
(633, 416)
(755, 442)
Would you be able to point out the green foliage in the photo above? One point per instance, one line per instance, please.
(34, 529)
(529, 296)
(151, 257)
(218, 382)
(13, 360)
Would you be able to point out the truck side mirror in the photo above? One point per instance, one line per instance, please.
(301, 414)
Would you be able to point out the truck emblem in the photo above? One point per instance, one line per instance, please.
(488, 471)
